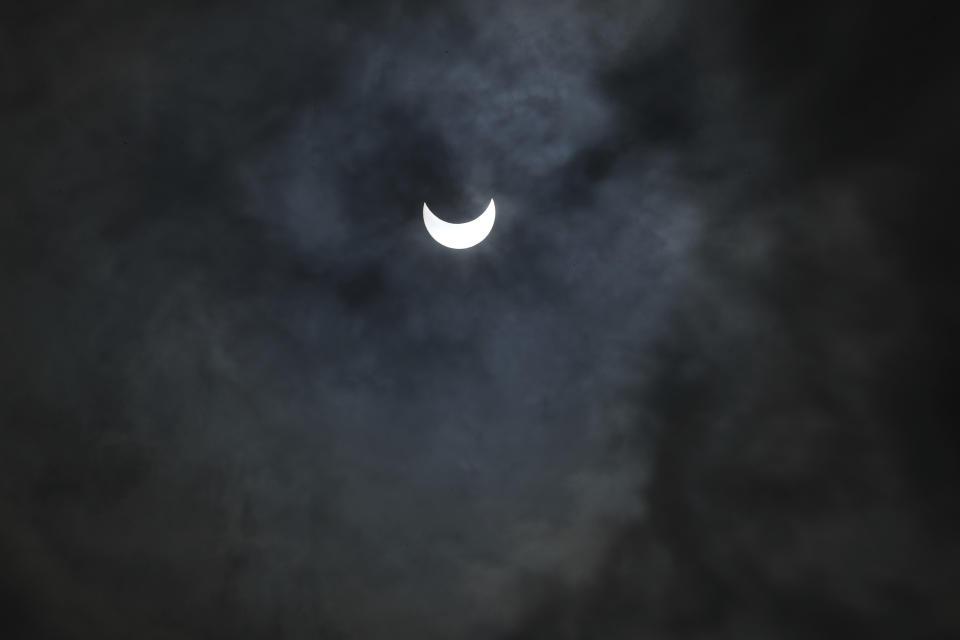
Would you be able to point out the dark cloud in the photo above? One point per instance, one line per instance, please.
(695, 384)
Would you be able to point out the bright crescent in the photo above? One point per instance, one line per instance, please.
(460, 235)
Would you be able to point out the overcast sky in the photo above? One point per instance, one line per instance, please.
(693, 385)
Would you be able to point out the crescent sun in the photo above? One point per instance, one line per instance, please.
(460, 235)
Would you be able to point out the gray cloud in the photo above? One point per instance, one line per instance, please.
(687, 388)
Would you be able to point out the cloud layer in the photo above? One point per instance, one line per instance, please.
(692, 385)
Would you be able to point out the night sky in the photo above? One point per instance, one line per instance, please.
(694, 385)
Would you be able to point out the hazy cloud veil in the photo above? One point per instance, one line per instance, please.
(693, 385)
